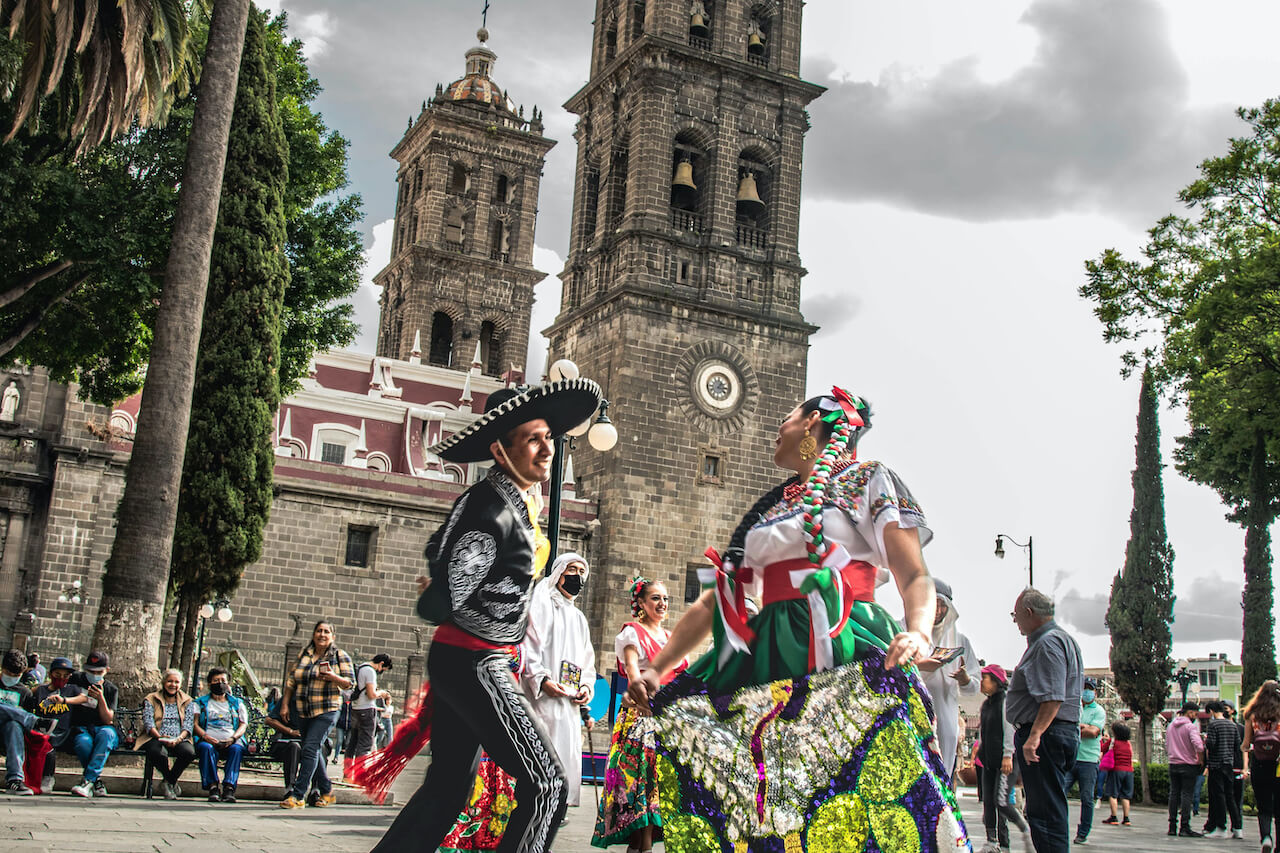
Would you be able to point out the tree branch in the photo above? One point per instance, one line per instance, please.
(12, 293)
(33, 319)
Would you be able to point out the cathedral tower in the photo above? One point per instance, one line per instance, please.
(681, 293)
(461, 273)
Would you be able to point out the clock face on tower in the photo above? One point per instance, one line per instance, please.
(716, 387)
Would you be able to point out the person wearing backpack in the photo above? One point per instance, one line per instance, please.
(364, 709)
(1262, 748)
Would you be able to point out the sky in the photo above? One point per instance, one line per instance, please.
(966, 160)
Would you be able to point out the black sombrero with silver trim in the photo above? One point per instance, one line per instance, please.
(563, 405)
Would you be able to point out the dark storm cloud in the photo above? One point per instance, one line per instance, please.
(1206, 610)
(382, 60)
(1097, 121)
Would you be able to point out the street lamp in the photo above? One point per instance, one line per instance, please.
(601, 434)
(1031, 556)
(221, 609)
(1184, 678)
(71, 593)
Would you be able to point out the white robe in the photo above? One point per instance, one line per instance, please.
(944, 690)
(558, 633)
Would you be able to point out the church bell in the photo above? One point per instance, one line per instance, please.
(684, 192)
(755, 44)
(749, 203)
(698, 24)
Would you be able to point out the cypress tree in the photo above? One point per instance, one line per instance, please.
(226, 478)
(1258, 653)
(1141, 606)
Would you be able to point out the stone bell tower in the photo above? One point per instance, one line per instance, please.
(681, 293)
(461, 273)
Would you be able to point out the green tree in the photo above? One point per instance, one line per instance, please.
(1141, 605)
(1204, 307)
(131, 612)
(226, 479)
(95, 232)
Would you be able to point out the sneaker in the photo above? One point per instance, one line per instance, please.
(1080, 841)
(292, 802)
(215, 795)
(1216, 833)
(1111, 820)
(325, 800)
(229, 793)
(18, 789)
(1188, 832)
(46, 785)
(1237, 834)
(166, 788)
(177, 789)
(99, 789)
(84, 789)
(1125, 822)
(1268, 845)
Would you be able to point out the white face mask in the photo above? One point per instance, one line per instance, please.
(10, 680)
(94, 677)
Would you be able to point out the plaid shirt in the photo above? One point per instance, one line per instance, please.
(313, 694)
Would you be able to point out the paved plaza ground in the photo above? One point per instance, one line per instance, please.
(127, 823)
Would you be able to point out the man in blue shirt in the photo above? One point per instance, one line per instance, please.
(1093, 719)
(1042, 707)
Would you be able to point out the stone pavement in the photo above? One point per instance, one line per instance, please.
(130, 824)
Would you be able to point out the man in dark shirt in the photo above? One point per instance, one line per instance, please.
(15, 720)
(92, 735)
(1043, 707)
(1221, 748)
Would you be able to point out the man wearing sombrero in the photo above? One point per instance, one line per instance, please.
(482, 564)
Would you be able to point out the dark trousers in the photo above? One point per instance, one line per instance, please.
(289, 751)
(1222, 799)
(1085, 773)
(364, 722)
(1266, 793)
(477, 704)
(1045, 782)
(182, 753)
(997, 811)
(1182, 783)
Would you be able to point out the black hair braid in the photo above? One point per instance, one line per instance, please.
(733, 554)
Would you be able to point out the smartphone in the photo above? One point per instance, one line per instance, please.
(945, 654)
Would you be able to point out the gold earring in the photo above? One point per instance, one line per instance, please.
(808, 447)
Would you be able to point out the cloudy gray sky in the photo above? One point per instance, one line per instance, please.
(968, 156)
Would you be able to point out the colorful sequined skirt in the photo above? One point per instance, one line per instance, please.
(484, 819)
(828, 762)
(629, 801)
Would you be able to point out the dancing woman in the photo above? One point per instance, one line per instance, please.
(629, 810)
(807, 727)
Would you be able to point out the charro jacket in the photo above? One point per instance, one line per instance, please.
(481, 563)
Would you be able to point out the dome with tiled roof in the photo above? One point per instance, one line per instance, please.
(477, 86)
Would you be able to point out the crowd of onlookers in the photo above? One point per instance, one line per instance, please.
(329, 707)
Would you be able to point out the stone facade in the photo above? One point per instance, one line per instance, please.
(461, 274)
(681, 292)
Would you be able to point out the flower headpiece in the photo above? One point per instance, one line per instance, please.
(638, 585)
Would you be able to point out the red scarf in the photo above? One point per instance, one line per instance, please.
(650, 647)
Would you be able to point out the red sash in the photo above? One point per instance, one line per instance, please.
(649, 647)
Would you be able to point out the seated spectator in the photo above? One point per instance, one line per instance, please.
(219, 724)
(286, 743)
(168, 733)
(16, 720)
(53, 701)
(33, 675)
(92, 735)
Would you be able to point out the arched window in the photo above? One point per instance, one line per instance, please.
(618, 186)
(455, 228)
(759, 30)
(441, 351)
(590, 204)
(610, 43)
(502, 190)
(498, 241)
(637, 20)
(755, 188)
(459, 180)
(490, 348)
(700, 13)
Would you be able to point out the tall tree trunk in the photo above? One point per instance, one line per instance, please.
(1258, 649)
(1144, 755)
(179, 628)
(189, 664)
(131, 613)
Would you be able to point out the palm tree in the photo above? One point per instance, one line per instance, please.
(98, 64)
(131, 613)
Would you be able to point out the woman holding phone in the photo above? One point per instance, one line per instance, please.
(316, 683)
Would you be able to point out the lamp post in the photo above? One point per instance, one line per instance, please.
(1184, 677)
(601, 434)
(1031, 555)
(220, 608)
